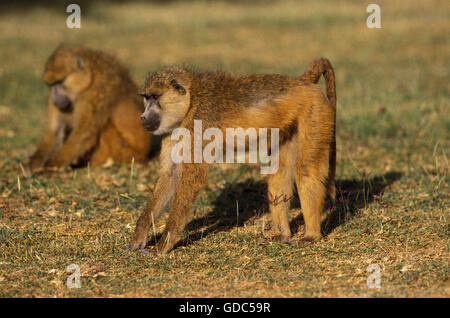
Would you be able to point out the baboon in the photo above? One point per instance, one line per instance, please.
(93, 111)
(305, 117)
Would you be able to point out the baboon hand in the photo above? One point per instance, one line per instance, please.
(33, 166)
(35, 162)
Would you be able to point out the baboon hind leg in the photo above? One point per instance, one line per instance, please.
(310, 183)
(103, 151)
(280, 189)
(110, 146)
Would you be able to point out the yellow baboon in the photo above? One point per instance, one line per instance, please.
(305, 117)
(93, 111)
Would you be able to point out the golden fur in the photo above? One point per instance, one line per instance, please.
(97, 115)
(305, 118)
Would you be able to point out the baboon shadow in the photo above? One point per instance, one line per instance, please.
(245, 202)
(352, 195)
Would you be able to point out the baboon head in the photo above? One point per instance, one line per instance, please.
(67, 75)
(166, 99)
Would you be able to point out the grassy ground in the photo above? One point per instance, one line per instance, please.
(393, 145)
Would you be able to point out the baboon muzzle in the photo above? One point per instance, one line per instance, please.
(61, 100)
(150, 121)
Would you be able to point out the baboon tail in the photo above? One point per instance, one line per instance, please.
(312, 74)
(315, 70)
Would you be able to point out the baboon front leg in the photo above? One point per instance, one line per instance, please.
(193, 178)
(52, 140)
(84, 136)
(50, 143)
(312, 169)
(163, 194)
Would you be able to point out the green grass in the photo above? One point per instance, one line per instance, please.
(393, 145)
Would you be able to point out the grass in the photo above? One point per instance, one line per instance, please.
(393, 146)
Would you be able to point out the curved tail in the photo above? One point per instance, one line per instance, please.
(315, 70)
(318, 67)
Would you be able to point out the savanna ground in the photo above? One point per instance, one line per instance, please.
(392, 135)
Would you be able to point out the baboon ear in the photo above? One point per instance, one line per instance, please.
(80, 62)
(178, 87)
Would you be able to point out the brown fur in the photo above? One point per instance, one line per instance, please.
(306, 122)
(103, 119)
(312, 74)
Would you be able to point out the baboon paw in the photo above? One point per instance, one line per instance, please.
(145, 251)
(162, 249)
(288, 241)
(136, 244)
(308, 241)
(304, 243)
(264, 241)
(131, 248)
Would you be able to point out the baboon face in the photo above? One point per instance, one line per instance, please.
(60, 98)
(67, 77)
(166, 103)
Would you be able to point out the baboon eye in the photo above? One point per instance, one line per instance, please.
(152, 96)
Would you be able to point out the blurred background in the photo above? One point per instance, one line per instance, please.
(397, 74)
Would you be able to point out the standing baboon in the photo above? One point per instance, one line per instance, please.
(177, 97)
(93, 111)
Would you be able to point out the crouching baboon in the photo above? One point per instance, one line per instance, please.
(93, 111)
(305, 118)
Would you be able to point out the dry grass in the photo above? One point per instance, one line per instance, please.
(393, 142)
